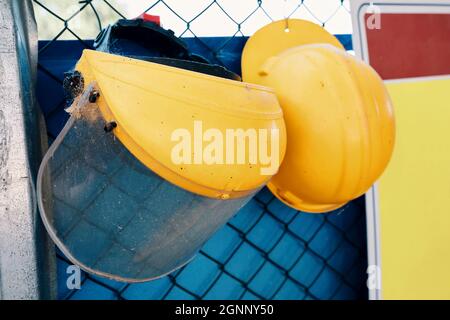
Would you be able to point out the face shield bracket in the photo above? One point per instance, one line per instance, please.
(89, 95)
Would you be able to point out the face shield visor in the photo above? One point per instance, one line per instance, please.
(108, 194)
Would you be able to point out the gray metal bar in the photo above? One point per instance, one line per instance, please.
(27, 259)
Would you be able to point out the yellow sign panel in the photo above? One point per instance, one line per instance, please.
(414, 194)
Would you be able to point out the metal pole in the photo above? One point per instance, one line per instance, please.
(27, 259)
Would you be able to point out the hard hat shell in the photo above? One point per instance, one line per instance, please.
(277, 37)
(339, 121)
(148, 102)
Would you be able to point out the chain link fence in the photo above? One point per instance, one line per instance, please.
(70, 19)
(268, 250)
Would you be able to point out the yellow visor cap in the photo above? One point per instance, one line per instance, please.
(176, 122)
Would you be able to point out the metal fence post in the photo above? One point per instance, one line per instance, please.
(27, 266)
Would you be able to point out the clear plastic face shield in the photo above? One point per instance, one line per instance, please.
(113, 216)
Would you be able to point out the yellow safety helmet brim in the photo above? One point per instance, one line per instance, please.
(149, 102)
(277, 188)
(276, 37)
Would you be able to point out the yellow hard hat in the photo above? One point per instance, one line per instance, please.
(339, 117)
(161, 99)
